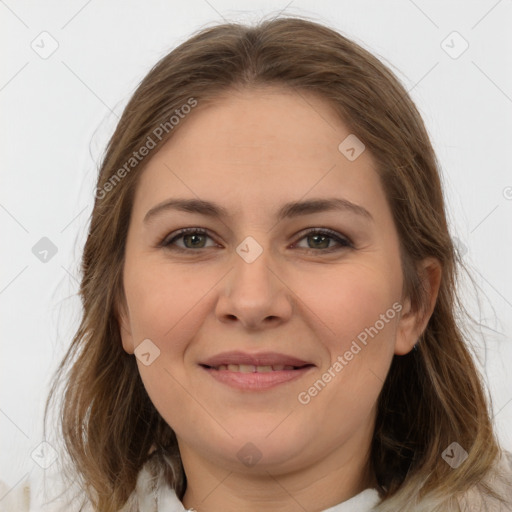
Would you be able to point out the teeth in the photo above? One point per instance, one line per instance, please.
(250, 368)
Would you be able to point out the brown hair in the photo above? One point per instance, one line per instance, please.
(109, 424)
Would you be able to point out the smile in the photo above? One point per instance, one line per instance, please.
(255, 371)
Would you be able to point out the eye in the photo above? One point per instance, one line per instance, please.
(191, 238)
(321, 240)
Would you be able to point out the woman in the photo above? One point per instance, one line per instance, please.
(269, 294)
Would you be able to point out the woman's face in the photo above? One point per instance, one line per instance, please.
(262, 345)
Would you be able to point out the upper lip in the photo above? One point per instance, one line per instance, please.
(259, 359)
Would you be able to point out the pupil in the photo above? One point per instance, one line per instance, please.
(194, 237)
(316, 237)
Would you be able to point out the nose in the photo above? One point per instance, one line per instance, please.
(254, 293)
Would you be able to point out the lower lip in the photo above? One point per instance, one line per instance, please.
(255, 381)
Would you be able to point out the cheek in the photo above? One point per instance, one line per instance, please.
(358, 325)
(163, 300)
(167, 387)
(347, 301)
(165, 307)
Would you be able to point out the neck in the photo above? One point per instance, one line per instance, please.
(329, 481)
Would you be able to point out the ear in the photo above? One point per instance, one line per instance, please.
(412, 323)
(123, 320)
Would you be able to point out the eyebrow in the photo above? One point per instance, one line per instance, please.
(288, 210)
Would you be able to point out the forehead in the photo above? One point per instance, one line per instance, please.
(268, 124)
(256, 147)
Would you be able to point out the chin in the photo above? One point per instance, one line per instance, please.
(267, 448)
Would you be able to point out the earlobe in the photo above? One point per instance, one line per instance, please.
(412, 323)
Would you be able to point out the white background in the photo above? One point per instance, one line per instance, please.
(58, 112)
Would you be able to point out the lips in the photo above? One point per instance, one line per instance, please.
(250, 363)
(255, 372)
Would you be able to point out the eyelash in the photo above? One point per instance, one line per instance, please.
(345, 242)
